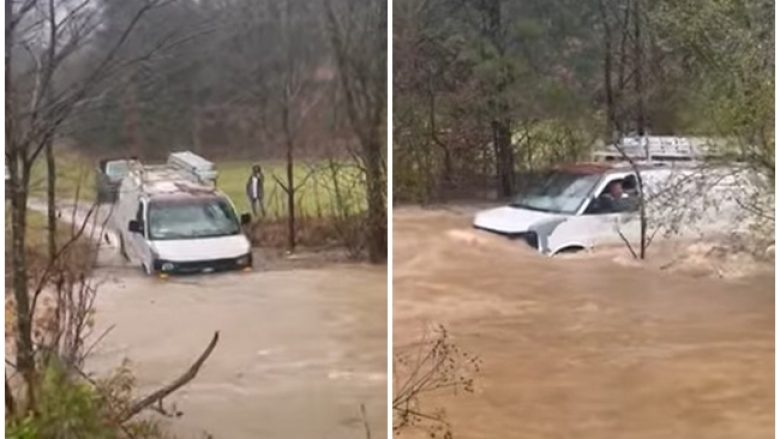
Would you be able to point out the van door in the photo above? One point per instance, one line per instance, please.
(122, 212)
(611, 216)
(138, 241)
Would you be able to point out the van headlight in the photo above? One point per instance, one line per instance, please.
(532, 239)
(163, 266)
(244, 261)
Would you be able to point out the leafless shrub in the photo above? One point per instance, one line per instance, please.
(339, 223)
(350, 222)
(434, 365)
(62, 314)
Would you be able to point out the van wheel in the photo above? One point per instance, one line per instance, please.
(569, 250)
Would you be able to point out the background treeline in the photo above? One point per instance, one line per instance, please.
(218, 77)
(234, 80)
(488, 90)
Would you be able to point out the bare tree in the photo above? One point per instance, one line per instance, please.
(434, 364)
(615, 125)
(295, 101)
(358, 38)
(62, 325)
(41, 37)
(281, 84)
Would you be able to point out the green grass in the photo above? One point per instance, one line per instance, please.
(37, 230)
(74, 173)
(316, 196)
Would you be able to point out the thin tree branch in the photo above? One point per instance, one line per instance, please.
(185, 378)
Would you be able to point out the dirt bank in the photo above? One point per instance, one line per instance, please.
(585, 347)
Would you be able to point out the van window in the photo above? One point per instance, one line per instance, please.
(619, 195)
(117, 169)
(557, 192)
(192, 218)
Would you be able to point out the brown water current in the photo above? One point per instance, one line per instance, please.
(585, 347)
(300, 350)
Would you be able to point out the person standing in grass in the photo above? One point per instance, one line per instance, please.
(254, 190)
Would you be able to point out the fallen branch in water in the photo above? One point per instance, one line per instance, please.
(157, 396)
(365, 421)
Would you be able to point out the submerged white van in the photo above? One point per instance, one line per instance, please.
(587, 205)
(171, 219)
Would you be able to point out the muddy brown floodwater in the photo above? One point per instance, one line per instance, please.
(300, 350)
(584, 347)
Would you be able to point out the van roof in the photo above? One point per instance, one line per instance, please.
(585, 168)
(596, 168)
(161, 181)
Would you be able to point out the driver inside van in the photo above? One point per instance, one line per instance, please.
(615, 190)
(613, 199)
(621, 195)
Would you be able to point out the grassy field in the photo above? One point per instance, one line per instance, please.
(37, 234)
(73, 172)
(79, 255)
(316, 195)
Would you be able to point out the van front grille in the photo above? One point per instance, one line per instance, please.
(193, 267)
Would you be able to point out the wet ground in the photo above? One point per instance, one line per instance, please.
(584, 347)
(299, 351)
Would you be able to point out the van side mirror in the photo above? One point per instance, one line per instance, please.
(246, 219)
(135, 226)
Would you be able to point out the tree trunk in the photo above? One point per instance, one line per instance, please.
(625, 31)
(10, 403)
(290, 199)
(505, 157)
(25, 358)
(639, 86)
(611, 125)
(19, 179)
(377, 217)
(435, 134)
(640, 122)
(290, 189)
(51, 202)
(501, 123)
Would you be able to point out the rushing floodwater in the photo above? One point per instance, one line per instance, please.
(299, 352)
(585, 347)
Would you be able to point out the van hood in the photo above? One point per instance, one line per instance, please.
(201, 249)
(509, 220)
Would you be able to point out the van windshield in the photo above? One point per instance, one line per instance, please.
(557, 192)
(191, 218)
(116, 170)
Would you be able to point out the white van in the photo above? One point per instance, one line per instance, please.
(587, 205)
(170, 220)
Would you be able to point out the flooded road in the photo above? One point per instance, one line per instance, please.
(299, 350)
(584, 347)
